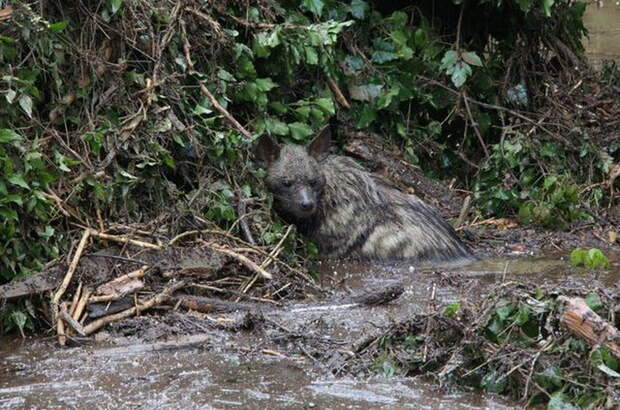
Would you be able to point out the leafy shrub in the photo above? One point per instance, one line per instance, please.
(103, 115)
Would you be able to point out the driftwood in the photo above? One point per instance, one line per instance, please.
(119, 287)
(380, 296)
(100, 309)
(338, 95)
(67, 279)
(211, 305)
(81, 304)
(384, 158)
(71, 321)
(44, 281)
(243, 260)
(122, 290)
(156, 300)
(123, 239)
(584, 323)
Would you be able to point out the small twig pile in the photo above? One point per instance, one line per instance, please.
(72, 317)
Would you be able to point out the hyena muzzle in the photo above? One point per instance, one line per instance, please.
(350, 212)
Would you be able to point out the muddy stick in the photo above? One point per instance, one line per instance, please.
(583, 322)
(156, 300)
(60, 331)
(128, 288)
(76, 297)
(65, 282)
(210, 305)
(276, 251)
(71, 322)
(464, 212)
(340, 98)
(81, 305)
(242, 211)
(123, 239)
(256, 249)
(224, 112)
(243, 260)
(112, 285)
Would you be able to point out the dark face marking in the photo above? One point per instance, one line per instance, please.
(296, 181)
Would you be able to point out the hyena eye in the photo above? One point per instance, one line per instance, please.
(287, 183)
(314, 182)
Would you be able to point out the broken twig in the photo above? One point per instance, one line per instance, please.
(65, 282)
(156, 300)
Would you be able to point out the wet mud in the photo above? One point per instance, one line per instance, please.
(283, 361)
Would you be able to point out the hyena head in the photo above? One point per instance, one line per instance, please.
(294, 174)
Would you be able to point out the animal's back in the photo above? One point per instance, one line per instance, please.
(362, 216)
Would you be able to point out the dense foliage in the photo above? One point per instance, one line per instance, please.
(102, 118)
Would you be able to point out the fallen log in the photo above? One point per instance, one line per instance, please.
(584, 323)
(40, 282)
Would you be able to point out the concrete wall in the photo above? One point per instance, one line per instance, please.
(604, 26)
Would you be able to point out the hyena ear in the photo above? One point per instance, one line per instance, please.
(320, 144)
(266, 152)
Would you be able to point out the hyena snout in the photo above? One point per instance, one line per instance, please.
(306, 202)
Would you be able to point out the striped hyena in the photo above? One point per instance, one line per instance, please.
(350, 212)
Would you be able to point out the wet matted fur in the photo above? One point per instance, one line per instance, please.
(350, 212)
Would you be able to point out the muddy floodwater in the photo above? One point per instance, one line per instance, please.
(226, 370)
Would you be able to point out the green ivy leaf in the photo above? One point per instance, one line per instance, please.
(504, 311)
(18, 179)
(60, 161)
(264, 84)
(60, 26)
(550, 378)
(19, 318)
(14, 198)
(381, 56)
(559, 401)
(358, 9)
(315, 6)
(326, 104)
(25, 101)
(276, 127)
(461, 72)
(300, 131)
(596, 259)
(452, 309)
(525, 5)
(7, 135)
(115, 5)
(367, 117)
(8, 214)
(593, 301)
(547, 4)
(202, 108)
(578, 257)
(10, 96)
(449, 60)
(312, 57)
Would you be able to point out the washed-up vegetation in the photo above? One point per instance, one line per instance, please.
(127, 121)
(523, 341)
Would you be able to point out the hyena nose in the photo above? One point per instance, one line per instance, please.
(307, 204)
